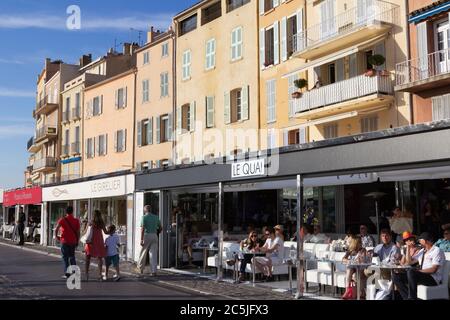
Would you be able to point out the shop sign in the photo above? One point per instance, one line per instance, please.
(248, 169)
(101, 188)
(22, 197)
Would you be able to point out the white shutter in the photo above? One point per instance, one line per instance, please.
(300, 38)
(285, 138)
(227, 108)
(89, 110)
(283, 39)
(87, 148)
(170, 129)
(316, 71)
(158, 130)
(331, 17)
(105, 143)
(245, 102)
(101, 105)
(124, 140)
(276, 3)
(210, 112)
(276, 43)
(97, 145)
(340, 69)
(139, 133)
(192, 117)
(150, 131)
(262, 48)
(302, 135)
(116, 133)
(323, 19)
(116, 99)
(422, 49)
(125, 91)
(261, 7)
(179, 117)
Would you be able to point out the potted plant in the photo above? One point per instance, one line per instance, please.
(376, 61)
(300, 84)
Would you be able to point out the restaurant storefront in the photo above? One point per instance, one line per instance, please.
(357, 180)
(30, 200)
(113, 196)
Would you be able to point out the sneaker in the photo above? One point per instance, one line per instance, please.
(116, 278)
(65, 276)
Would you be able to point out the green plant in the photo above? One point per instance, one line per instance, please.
(377, 60)
(300, 83)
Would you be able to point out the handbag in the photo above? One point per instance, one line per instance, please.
(87, 237)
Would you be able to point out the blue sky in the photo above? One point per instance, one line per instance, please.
(32, 30)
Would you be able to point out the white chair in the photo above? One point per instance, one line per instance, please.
(436, 292)
(340, 273)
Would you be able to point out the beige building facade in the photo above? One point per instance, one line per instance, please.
(155, 101)
(216, 80)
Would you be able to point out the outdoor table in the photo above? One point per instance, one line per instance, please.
(290, 263)
(392, 267)
(205, 255)
(358, 267)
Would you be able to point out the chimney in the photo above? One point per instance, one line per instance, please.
(126, 48)
(151, 35)
(85, 60)
(134, 47)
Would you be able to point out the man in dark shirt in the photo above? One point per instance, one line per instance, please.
(21, 226)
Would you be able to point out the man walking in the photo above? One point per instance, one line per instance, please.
(70, 235)
(150, 228)
(21, 226)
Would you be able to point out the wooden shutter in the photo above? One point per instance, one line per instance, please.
(227, 108)
(262, 48)
(139, 133)
(245, 102)
(158, 129)
(283, 33)
(276, 43)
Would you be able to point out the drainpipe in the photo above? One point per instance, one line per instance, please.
(408, 52)
(174, 93)
(133, 164)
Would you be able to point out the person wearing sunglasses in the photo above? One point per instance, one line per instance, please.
(251, 244)
(444, 243)
(274, 250)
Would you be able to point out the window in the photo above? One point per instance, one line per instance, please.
(185, 117)
(235, 4)
(291, 89)
(145, 132)
(120, 140)
(271, 139)
(268, 5)
(368, 54)
(121, 98)
(209, 112)
(269, 45)
(332, 73)
(165, 49)
(164, 84)
(236, 105)
(188, 25)
(291, 31)
(271, 100)
(441, 107)
(67, 142)
(294, 137)
(164, 129)
(77, 101)
(369, 124)
(210, 54)
(97, 105)
(102, 145)
(212, 12)
(330, 131)
(145, 91)
(187, 65)
(67, 110)
(236, 44)
(90, 148)
(146, 57)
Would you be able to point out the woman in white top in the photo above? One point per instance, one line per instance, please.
(274, 250)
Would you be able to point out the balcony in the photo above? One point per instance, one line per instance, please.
(76, 114)
(65, 116)
(44, 107)
(46, 132)
(75, 150)
(357, 93)
(345, 30)
(70, 177)
(425, 76)
(44, 164)
(32, 147)
(65, 152)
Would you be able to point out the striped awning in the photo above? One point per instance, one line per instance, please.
(429, 11)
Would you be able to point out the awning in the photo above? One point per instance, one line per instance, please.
(329, 119)
(432, 10)
(415, 174)
(336, 56)
(22, 197)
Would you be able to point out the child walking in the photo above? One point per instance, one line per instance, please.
(112, 244)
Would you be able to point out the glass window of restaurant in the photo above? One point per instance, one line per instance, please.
(57, 211)
(114, 212)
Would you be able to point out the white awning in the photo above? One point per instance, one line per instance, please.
(329, 119)
(416, 174)
(335, 56)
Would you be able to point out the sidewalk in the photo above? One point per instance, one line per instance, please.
(204, 284)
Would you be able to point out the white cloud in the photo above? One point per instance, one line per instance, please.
(8, 131)
(16, 93)
(11, 61)
(142, 22)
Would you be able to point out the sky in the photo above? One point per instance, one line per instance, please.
(31, 31)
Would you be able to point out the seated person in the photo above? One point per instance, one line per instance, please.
(251, 244)
(387, 251)
(274, 249)
(432, 261)
(366, 239)
(411, 251)
(444, 243)
(188, 240)
(306, 233)
(358, 254)
(318, 237)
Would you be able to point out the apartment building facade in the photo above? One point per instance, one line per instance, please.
(334, 40)
(216, 80)
(155, 96)
(426, 72)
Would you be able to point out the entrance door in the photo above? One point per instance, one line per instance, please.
(442, 46)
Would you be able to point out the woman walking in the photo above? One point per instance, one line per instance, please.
(96, 247)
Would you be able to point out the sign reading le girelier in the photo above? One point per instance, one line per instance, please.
(248, 169)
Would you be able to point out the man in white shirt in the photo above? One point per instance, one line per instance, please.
(431, 259)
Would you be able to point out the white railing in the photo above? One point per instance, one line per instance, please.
(341, 91)
(422, 68)
(48, 162)
(375, 12)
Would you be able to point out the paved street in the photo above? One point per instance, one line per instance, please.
(30, 275)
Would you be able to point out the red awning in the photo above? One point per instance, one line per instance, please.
(22, 197)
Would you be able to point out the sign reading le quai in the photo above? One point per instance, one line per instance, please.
(248, 169)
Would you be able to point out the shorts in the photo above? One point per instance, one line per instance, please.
(114, 260)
